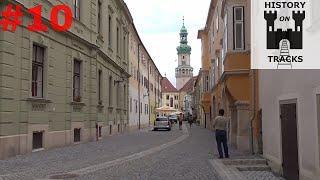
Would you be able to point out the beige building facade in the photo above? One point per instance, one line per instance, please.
(144, 84)
(63, 88)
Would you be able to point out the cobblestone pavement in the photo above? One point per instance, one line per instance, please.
(187, 160)
(141, 155)
(145, 155)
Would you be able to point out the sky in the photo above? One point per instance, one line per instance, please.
(158, 23)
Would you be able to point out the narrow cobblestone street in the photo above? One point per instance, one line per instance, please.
(139, 155)
(149, 158)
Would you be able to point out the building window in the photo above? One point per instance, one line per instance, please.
(76, 135)
(76, 9)
(141, 108)
(124, 47)
(130, 104)
(225, 38)
(110, 31)
(37, 140)
(171, 102)
(118, 95)
(100, 85)
(100, 131)
(76, 80)
(238, 18)
(124, 96)
(37, 71)
(136, 104)
(110, 91)
(99, 16)
(118, 40)
(167, 97)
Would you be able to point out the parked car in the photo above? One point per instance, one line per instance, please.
(162, 123)
(173, 119)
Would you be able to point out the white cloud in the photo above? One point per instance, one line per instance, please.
(158, 23)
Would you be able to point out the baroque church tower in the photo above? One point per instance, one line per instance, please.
(184, 72)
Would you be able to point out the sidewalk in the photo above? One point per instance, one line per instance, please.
(242, 166)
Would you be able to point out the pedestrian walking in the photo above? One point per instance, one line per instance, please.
(220, 126)
(180, 121)
(190, 120)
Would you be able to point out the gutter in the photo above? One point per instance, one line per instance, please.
(253, 114)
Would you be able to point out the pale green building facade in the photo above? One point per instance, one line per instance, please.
(62, 88)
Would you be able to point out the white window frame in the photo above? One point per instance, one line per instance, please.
(235, 23)
(225, 38)
(76, 9)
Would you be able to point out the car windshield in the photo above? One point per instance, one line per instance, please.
(162, 119)
(173, 116)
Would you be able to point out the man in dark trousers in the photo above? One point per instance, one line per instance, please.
(180, 119)
(220, 126)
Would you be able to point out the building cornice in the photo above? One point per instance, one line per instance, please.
(233, 73)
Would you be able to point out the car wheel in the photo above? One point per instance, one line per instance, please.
(155, 129)
(169, 129)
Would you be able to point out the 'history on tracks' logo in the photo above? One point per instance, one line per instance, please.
(279, 34)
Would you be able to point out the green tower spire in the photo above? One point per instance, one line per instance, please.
(184, 48)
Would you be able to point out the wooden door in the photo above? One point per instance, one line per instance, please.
(289, 134)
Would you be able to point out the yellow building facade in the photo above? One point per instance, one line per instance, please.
(228, 81)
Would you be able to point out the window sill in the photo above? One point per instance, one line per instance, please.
(77, 103)
(38, 100)
(100, 106)
(37, 150)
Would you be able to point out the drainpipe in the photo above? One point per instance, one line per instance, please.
(253, 114)
(139, 80)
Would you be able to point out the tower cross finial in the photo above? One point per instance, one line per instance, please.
(183, 20)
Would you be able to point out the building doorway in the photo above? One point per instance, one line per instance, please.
(37, 140)
(290, 153)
